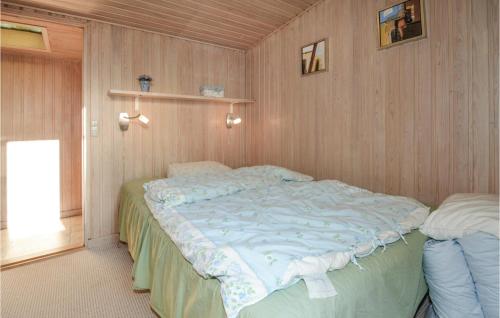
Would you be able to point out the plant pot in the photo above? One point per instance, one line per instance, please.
(145, 85)
(145, 82)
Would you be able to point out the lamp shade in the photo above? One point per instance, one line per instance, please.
(143, 119)
(232, 119)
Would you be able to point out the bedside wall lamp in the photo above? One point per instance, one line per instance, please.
(231, 118)
(124, 119)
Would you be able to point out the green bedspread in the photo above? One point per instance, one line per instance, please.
(392, 284)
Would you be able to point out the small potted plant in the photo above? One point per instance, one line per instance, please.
(145, 81)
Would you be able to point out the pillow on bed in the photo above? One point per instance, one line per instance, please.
(194, 168)
(463, 214)
(286, 174)
(451, 288)
(481, 254)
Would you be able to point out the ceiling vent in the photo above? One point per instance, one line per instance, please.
(24, 37)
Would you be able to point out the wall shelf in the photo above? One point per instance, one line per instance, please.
(137, 94)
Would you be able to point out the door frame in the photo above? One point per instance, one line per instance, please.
(54, 17)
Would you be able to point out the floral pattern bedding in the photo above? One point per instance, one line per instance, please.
(272, 234)
(192, 188)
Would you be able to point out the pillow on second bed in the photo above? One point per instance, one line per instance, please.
(451, 287)
(194, 168)
(481, 251)
(463, 214)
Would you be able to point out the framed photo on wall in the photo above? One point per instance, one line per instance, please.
(401, 23)
(314, 57)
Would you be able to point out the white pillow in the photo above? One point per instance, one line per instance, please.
(463, 214)
(194, 168)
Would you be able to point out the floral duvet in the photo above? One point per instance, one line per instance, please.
(257, 236)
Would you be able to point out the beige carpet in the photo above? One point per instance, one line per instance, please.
(87, 283)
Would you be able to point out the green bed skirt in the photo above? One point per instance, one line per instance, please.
(391, 284)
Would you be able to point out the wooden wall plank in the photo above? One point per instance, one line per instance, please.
(425, 170)
(479, 112)
(493, 88)
(459, 93)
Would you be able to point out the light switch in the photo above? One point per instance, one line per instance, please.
(94, 128)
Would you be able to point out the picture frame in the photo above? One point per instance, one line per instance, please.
(401, 23)
(314, 57)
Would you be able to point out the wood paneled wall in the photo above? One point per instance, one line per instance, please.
(420, 119)
(41, 100)
(178, 131)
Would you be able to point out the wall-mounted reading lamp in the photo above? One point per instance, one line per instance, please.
(124, 119)
(231, 118)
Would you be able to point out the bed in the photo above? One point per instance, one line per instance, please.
(391, 285)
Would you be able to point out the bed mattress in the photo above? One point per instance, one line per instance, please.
(392, 284)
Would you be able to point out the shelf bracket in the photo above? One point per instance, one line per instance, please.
(136, 105)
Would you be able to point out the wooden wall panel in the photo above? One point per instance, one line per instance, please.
(41, 100)
(178, 131)
(420, 119)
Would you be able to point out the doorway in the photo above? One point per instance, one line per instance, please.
(41, 129)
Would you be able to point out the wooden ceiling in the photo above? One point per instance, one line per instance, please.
(65, 41)
(233, 23)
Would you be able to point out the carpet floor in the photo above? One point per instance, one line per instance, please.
(87, 283)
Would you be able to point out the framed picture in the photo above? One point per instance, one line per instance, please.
(401, 23)
(314, 57)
